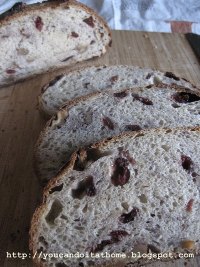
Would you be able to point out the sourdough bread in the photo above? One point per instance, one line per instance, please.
(137, 192)
(54, 34)
(98, 78)
(101, 115)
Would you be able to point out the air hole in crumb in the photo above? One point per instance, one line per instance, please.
(57, 188)
(85, 208)
(174, 105)
(86, 156)
(54, 212)
(43, 241)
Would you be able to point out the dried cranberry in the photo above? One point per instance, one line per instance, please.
(184, 97)
(128, 217)
(10, 71)
(120, 94)
(89, 21)
(186, 162)
(189, 205)
(121, 173)
(39, 23)
(74, 34)
(108, 123)
(144, 100)
(113, 79)
(171, 75)
(117, 235)
(133, 127)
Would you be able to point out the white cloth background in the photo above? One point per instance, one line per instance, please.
(143, 15)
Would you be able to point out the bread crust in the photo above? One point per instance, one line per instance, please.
(69, 167)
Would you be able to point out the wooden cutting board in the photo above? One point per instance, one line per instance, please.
(21, 123)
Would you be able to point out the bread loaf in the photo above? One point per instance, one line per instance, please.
(42, 37)
(81, 82)
(137, 192)
(101, 115)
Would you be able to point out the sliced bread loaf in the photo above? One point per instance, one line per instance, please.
(138, 192)
(54, 34)
(92, 79)
(101, 115)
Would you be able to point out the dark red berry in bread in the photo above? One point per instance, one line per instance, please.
(121, 173)
(74, 34)
(113, 79)
(117, 235)
(184, 97)
(128, 217)
(144, 100)
(10, 71)
(186, 162)
(39, 23)
(189, 205)
(89, 21)
(120, 94)
(108, 123)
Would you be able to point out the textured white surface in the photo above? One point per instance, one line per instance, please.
(159, 188)
(147, 15)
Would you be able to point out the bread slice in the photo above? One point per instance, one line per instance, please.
(138, 192)
(101, 115)
(98, 78)
(54, 34)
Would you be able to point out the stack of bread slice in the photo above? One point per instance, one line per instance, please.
(122, 153)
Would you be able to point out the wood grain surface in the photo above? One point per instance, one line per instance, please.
(21, 123)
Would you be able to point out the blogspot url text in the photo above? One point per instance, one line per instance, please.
(78, 255)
